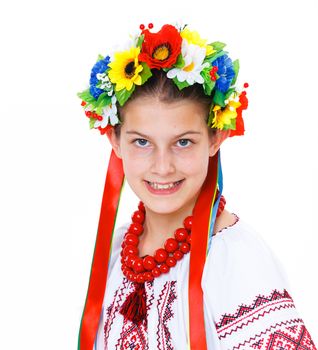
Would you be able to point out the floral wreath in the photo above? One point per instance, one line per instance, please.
(185, 57)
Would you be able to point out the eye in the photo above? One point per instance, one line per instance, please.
(142, 143)
(184, 143)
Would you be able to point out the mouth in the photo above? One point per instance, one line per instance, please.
(163, 188)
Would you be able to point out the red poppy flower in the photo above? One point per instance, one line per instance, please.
(161, 50)
(239, 120)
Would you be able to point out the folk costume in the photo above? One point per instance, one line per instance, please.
(200, 291)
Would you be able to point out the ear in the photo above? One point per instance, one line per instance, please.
(114, 141)
(216, 140)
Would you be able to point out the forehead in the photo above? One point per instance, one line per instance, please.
(152, 116)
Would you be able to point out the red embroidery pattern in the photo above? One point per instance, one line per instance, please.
(269, 323)
(135, 337)
(166, 298)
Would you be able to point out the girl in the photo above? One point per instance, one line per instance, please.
(183, 272)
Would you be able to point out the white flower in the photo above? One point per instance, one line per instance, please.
(193, 56)
(109, 113)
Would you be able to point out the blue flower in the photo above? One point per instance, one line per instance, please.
(99, 67)
(225, 71)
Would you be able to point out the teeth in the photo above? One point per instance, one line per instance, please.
(157, 186)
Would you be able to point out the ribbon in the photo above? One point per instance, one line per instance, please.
(99, 269)
(199, 238)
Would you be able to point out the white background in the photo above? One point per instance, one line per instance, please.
(53, 167)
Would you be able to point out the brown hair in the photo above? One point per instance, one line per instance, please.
(162, 87)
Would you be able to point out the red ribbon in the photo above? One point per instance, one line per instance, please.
(99, 269)
(199, 239)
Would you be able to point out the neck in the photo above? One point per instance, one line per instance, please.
(158, 227)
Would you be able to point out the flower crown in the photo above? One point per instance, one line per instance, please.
(185, 57)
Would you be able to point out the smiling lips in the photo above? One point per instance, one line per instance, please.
(163, 188)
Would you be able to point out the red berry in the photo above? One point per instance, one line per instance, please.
(171, 261)
(156, 272)
(164, 268)
(83, 103)
(88, 114)
(135, 228)
(184, 247)
(142, 26)
(150, 25)
(149, 262)
(137, 265)
(246, 85)
(171, 245)
(178, 255)
(99, 117)
(161, 255)
(181, 234)
(138, 217)
(187, 223)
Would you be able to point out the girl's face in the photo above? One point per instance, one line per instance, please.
(165, 143)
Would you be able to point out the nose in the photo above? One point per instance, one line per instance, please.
(163, 163)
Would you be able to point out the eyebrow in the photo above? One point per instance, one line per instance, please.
(146, 136)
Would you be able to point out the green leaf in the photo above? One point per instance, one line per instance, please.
(181, 85)
(231, 126)
(102, 101)
(145, 73)
(229, 93)
(86, 96)
(208, 84)
(180, 62)
(140, 40)
(123, 95)
(99, 58)
(214, 56)
(217, 45)
(91, 122)
(219, 98)
(236, 67)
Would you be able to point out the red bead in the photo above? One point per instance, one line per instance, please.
(134, 277)
(148, 276)
(188, 240)
(149, 262)
(137, 265)
(150, 25)
(140, 278)
(187, 223)
(164, 268)
(88, 114)
(131, 239)
(184, 247)
(246, 85)
(129, 259)
(161, 255)
(171, 245)
(171, 261)
(213, 78)
(142, 26)
(141, 206)
(138, 216)
(135, 228)
(156, 272)
(178, 255)
(181, 234)
(130, 249)
(83, 103)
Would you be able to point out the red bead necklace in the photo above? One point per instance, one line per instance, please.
(140, 270)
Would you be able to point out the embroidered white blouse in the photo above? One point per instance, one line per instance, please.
(247, 304)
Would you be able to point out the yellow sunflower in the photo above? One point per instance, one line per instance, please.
(125, 69)
(194, 38)
(224, 117)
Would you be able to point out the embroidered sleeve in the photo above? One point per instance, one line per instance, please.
(248, 302)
